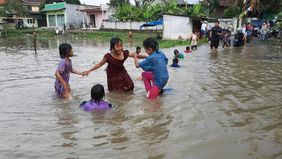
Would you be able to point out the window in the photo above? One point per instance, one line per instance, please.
(51, 19)
(30, 21)
(61, 19)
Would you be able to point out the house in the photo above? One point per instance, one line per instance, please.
(74, 16)
(35, 18)
(94, 15)
(175, 26)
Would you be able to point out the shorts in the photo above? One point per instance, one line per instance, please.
(214, 43)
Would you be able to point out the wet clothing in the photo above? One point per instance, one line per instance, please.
(175, 65)
(92, 105)
(117, 76)
(156, 63)
(215, 36)
(64, 67)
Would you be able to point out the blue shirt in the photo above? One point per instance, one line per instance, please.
(156, 63)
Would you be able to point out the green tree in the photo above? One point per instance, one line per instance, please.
(231, 12)
(13, 7)
(139, 3)
(116, 3)
(212, 5)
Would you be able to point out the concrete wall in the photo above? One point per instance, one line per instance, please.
(128, 26)
(73, 16)
(175, 26)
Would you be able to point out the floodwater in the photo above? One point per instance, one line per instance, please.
(225, 105)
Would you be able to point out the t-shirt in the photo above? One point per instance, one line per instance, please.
(92, 105)
(157, 63)
(215, 30)
(203, 26)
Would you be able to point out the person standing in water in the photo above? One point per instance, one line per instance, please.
(117, 76)
(215, 36)
(155, 75)
(63, 71)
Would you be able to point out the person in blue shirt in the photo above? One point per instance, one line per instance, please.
(155, 75)
(175, 62)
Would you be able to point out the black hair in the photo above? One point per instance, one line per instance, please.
(64, 49)
(217, 21)
(151, 43)
(137, 48)
(113, 42)
(188, 48)
(175, 51)
(175, 60)
(97, 93)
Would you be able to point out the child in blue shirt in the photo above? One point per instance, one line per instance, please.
(175, 62)
(156, 75)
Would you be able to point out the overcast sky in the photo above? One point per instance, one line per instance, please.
(98, 2)
(94, 2)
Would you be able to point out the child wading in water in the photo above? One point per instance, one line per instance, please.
(156, 75)
(96, 102)
(64, 69)
(117, 76)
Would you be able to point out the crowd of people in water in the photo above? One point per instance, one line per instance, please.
(155, 74)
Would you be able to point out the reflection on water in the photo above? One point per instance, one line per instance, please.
(224, 104)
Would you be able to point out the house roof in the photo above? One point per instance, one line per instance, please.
(90, 8)
(33, 2)
(2, 2)
(55, 6)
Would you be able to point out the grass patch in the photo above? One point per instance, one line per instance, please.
(138, 36)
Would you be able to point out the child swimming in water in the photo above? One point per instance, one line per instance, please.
(96, 102)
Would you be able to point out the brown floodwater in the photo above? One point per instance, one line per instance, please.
(225, 105)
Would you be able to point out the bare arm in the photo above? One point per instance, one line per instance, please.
(98, 65)
(62, 81)
(140, 56)
(76, 72)
(136, 61)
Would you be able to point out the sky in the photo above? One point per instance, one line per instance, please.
(94, 2)
(98, 2)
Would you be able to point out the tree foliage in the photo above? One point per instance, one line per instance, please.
(117, 3)
(150, 12)
(13, 8)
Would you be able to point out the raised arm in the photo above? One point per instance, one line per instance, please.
(140, 56)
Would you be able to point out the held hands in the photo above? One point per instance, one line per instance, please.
(85, 73)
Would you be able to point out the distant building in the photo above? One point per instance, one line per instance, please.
(35, 18)
(176, 26)
(74, 16)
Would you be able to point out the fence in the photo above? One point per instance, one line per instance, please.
(128, 26)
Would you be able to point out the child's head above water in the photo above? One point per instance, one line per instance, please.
(138, 49)
(65, 50)
(175, 61)
(97, 93)
(176, 52)
(150, 45)
(188, 48)
(116, 45)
